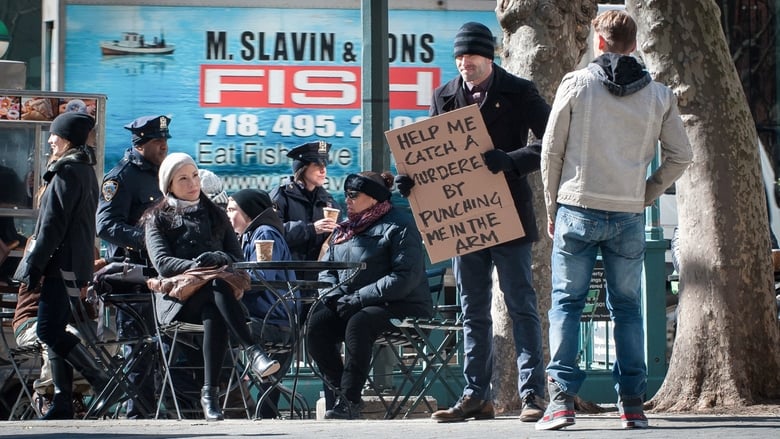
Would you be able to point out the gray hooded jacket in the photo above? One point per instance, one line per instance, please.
(602, 134)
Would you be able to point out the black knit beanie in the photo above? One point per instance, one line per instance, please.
(474, 39)
(73, 126)
(252, 201)
(367, 185)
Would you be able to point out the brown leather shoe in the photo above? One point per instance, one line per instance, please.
(533, 408)
(466, 408)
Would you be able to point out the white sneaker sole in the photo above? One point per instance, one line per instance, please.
(555, 424)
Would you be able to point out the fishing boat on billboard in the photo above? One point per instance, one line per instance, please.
(133, 43)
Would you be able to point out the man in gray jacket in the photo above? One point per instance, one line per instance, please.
(601, 136)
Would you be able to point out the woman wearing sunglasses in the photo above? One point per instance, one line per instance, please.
(393, 285)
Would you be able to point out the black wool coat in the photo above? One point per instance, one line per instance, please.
(65, 229)
(511, 108)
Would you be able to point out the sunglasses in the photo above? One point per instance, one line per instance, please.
(351, 194)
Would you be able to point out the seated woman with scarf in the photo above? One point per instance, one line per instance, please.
(186, 235)
(393, 285)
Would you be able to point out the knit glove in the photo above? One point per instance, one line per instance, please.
(404, 184)
(347, 306)
(498, 160)
(212, 259)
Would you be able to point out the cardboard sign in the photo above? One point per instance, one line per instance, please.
(458, 204)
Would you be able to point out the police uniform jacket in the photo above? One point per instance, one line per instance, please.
(127, 191)
(299, 210)
(65, 229)
(395, 264)
(511, 107)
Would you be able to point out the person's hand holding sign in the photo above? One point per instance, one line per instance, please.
(498, 160)
(522, 161)
(404, 184)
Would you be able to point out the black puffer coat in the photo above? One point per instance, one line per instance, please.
(395, 264)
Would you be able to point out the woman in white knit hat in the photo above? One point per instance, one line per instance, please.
(186, 230)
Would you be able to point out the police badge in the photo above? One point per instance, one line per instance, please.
(109, 189)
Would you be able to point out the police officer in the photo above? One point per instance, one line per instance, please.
(299, 202)
(131, 187)
(127, 191)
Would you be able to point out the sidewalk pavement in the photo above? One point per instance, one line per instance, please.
(687, 426)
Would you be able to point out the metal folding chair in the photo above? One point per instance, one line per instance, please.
(104, 348)
(171, 339)
(286, 354)
(24, 362)
(424, 348)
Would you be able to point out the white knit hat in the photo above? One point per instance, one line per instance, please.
(171, 163)
(211, 185)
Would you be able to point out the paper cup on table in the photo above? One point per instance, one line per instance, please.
(330, 212)
(264, 249)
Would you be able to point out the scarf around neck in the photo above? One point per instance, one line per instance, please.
(179, 208)
(358, 222)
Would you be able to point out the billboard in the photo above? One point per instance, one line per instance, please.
(245, 85)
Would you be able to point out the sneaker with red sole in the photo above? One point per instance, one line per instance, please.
(560, 411)
(632, 413)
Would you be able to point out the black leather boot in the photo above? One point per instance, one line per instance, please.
(260, 363)
(62, 376)
(209, 401)
(80, 358)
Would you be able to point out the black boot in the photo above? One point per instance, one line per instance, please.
(80, 358)
(345, 409)
(209, 401)
(261, 365)
(62, 376)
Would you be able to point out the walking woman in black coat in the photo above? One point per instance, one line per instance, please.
(62, 249)
(186, 230)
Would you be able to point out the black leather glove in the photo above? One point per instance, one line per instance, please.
(212, 259)
(348, 305)
(333, 296)
(498, 160)
(404, 184)
(330, 300)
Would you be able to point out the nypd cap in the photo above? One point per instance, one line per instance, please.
(312, 152)
(146, 128)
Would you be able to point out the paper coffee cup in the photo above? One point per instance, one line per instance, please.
(330, 212)
(264, 249)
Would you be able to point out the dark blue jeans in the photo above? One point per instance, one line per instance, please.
(473, 274)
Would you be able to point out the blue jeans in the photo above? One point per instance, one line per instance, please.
(579, 234)
(473, 274)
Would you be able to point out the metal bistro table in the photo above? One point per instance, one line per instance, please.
(291, 290)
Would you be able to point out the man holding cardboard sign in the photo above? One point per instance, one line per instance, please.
(509, 106)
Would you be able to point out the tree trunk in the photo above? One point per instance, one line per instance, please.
(726, 349)
(543, 40)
